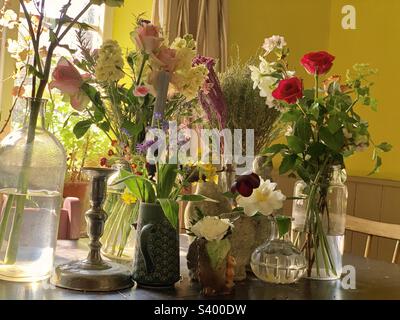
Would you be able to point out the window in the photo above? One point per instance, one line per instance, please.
(99, 18)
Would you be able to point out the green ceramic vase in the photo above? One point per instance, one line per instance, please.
(156, 257)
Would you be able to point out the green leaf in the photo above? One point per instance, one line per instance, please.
(332, 141)
(283, 223)
(171, 211)
(314, 110)
(105, 126)
(316, 149)
(139, 186)
(229, 195)
(378, 164)
(295, 144)
(134, 129)
(384, 146)
(67, 120)
(166, 177)
(287, 164)
(303, 129)
(81, 128)
(276, 148)
(52, 36)
(334, 124)
(291, 116)
(195, 198)
(217, 251)
(32, 71)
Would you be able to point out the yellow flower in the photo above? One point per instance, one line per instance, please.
(209, 171)
(109, 62)
(128, 197)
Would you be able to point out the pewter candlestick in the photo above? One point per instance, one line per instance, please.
(93, 273)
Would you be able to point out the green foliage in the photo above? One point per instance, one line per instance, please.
(283, 223)
(139, 186)
(171, 211)
(326, 129)
(61, 120)
(217, 251)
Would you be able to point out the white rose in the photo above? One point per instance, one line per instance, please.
(211, 228)
(265, 199)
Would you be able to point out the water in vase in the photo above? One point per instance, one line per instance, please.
(28, 240)
(336, 245)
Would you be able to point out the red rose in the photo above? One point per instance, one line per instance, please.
(317, 62)
(289, 90)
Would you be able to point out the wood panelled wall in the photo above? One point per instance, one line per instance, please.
(372, 199)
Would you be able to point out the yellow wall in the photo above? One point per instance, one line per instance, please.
(316, 25)
(375, 41)
(125, 18)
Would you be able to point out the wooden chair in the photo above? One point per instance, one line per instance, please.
(375, 229)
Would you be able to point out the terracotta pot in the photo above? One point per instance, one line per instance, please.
(76, 190)
(79, 190)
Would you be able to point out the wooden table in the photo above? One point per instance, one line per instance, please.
(374, 280)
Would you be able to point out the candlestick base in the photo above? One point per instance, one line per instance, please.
(83, 276)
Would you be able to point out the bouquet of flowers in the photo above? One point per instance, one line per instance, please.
(323, 128)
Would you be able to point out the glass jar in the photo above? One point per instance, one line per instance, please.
(278, 261)
(119, 234)
(333, 225)
(32, 171)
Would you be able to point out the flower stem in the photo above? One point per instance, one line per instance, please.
(316, 86)
(12, 248)
(139, 78)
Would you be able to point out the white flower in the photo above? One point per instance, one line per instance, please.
(265, 199)
(266, 87)
(289, 131)
(262, 80)
(211, 228)
(273, 42)
(9, 19)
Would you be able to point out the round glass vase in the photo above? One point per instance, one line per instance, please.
(324, 263)
(32, 171)
(119, 233)
(278, 261)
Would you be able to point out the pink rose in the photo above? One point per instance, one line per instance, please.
(166, 59)
(147, 37)
(141, 91)
(69, 81)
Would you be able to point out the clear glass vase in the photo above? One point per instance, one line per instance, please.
(119, 233)
(325, 254)
(278, 261)
(32, 172)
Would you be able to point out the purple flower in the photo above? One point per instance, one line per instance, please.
(157, 116)
(141, 148)
(212, 99)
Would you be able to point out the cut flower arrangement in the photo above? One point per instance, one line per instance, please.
(323, 128)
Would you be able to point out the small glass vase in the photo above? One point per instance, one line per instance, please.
(215, 275)
(32, 171)
(119, 233)
(278, 261)
(324, 263)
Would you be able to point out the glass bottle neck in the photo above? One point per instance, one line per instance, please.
(35, 108)
(337, 176)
